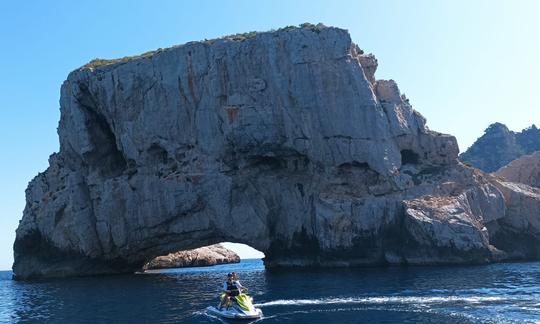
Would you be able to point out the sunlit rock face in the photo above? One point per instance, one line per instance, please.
(524, 170)
(200, 257)
(283, 140)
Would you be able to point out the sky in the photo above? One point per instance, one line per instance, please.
(463, 64)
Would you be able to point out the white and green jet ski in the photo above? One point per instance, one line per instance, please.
(241, 308)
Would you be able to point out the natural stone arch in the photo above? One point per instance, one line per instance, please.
(305, 167)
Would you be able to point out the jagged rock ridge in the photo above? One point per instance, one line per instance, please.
(203, 256)
(284, 141)
(499, 146)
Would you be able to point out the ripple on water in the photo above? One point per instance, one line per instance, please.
(490, 293)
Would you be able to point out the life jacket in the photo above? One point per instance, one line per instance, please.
(232, 287)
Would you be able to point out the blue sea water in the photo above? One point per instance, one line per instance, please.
(497, 293)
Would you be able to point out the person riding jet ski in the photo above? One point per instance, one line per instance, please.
(237, 283)
(234, 302)
(231, 288)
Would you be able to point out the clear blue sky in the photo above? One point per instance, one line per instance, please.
(463, 64)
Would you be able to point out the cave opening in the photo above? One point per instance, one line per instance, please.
(158, 154)
(409, 157)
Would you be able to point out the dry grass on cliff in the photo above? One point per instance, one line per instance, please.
(240, 37)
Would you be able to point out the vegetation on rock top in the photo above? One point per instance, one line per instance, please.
(240, 37)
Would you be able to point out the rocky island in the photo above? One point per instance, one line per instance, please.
(200, 257)
(499, 146)
(282, 140)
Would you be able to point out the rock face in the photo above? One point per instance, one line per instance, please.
(524, 170)
(204, 256)
(499, 146)
(284, 141)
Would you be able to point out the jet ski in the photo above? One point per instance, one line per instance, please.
(239, 308)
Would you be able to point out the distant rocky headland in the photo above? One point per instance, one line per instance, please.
(282, 140)
(499, 146)
(200, 257)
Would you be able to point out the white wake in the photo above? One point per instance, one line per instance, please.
(382, 300)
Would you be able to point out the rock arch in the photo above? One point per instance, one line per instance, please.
(307, 170)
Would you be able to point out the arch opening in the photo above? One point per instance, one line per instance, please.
(244, 251)
(210, 255)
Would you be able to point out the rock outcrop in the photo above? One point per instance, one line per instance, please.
(200, 257)
(499, 146)
(524, 170)
(284, 141)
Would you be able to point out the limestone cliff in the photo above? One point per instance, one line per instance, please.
(203, 256)
(499, 146)
(281, 140)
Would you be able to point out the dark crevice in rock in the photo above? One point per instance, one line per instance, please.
(409, 157)
(157, 154)
(266, 162)
(59, 215)
(104, 155)
(300, 188)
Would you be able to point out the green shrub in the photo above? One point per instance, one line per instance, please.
(97, 62)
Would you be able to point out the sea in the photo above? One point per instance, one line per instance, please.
(495, 293)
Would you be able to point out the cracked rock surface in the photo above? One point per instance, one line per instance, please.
(284, 141)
